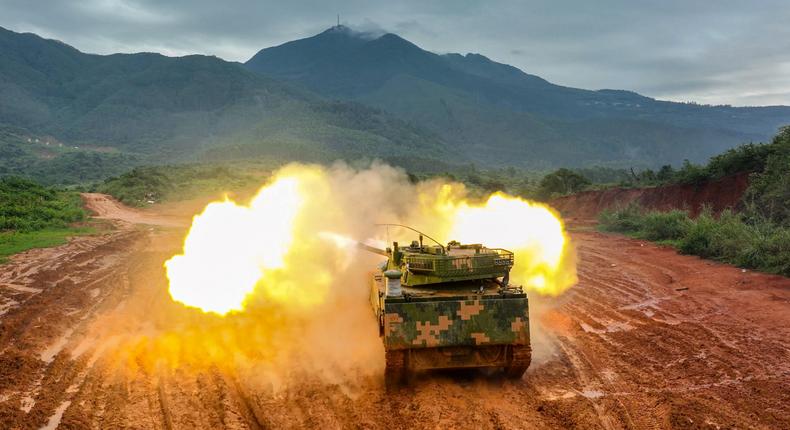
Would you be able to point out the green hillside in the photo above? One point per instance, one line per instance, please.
(68, 117)
(497, 114)
(107, 113)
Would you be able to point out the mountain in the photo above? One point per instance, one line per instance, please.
(59, 105)
(69, 117)
(497, 114)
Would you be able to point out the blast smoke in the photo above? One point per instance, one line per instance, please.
(306, 310)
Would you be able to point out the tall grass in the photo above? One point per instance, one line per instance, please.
(731, 237)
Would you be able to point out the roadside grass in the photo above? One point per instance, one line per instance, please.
(14, 242)
(35, 216)
(747, 242)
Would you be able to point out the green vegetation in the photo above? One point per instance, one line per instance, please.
(71, 118)
(103, 115)
(745, 158)
(12, 242)
(770, 182)
(768, 195)
(731, 237)
(27, 206)
(562, 181)
(51, 162)
(496, 114)
(145, 185)
(34, 216)
(758, 237)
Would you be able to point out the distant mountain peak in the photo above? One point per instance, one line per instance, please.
(342, 30)
(337, 29)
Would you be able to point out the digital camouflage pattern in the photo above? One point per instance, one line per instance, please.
(470, 321)
(449, 307)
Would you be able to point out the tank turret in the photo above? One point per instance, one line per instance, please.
(435, 265)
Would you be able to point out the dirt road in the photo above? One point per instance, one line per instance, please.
(648, 339)
(105, 207)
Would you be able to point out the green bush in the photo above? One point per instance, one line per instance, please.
(658, 226)
(731, 237)
(560, 182)
(725, 238)
(691, 173)
(768, 195)
(28, 206)
(698, 238)
(770, 253)
(745, 158)
(623, 220)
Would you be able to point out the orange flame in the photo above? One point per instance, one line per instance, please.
(289, 242)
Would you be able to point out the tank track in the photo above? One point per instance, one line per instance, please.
(396, 371)
(520, 358)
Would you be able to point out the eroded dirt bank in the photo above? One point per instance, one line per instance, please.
(648, 339)
(719, 195)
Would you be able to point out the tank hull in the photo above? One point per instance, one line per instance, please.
(452, 328)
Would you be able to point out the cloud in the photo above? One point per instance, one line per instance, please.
(722, 52)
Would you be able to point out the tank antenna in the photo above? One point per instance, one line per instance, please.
(414, 230)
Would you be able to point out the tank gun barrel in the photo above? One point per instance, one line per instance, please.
(372, 249)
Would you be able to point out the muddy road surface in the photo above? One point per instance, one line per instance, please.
(648, 339)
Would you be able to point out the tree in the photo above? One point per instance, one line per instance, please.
(562, 181)
(666, 173)
(768, 194)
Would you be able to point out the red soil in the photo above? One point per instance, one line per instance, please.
(648, 339)
(719, 195)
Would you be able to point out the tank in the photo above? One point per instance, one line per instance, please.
(449, 307)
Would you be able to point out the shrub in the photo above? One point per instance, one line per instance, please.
(725, 238)
(623, 220)
(672, 225)
(768, 195)
(771, 253)
(745, 158)
(561, 181)
(731, 237)
(691, 173)
(28, 206)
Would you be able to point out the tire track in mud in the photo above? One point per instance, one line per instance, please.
(625, 349)
(71, 282)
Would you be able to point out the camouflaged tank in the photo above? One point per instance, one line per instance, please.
(442, 307)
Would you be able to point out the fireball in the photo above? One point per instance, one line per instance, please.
(295, 239)
(231, 247)
(544, 260)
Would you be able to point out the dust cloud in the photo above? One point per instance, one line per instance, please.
(306, 315)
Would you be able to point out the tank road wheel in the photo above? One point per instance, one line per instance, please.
(396, 370)
(520, 357)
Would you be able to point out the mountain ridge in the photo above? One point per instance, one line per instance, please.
(176, 109)
(379, 70)
(340, 94)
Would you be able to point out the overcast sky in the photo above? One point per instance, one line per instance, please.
(709, 51)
